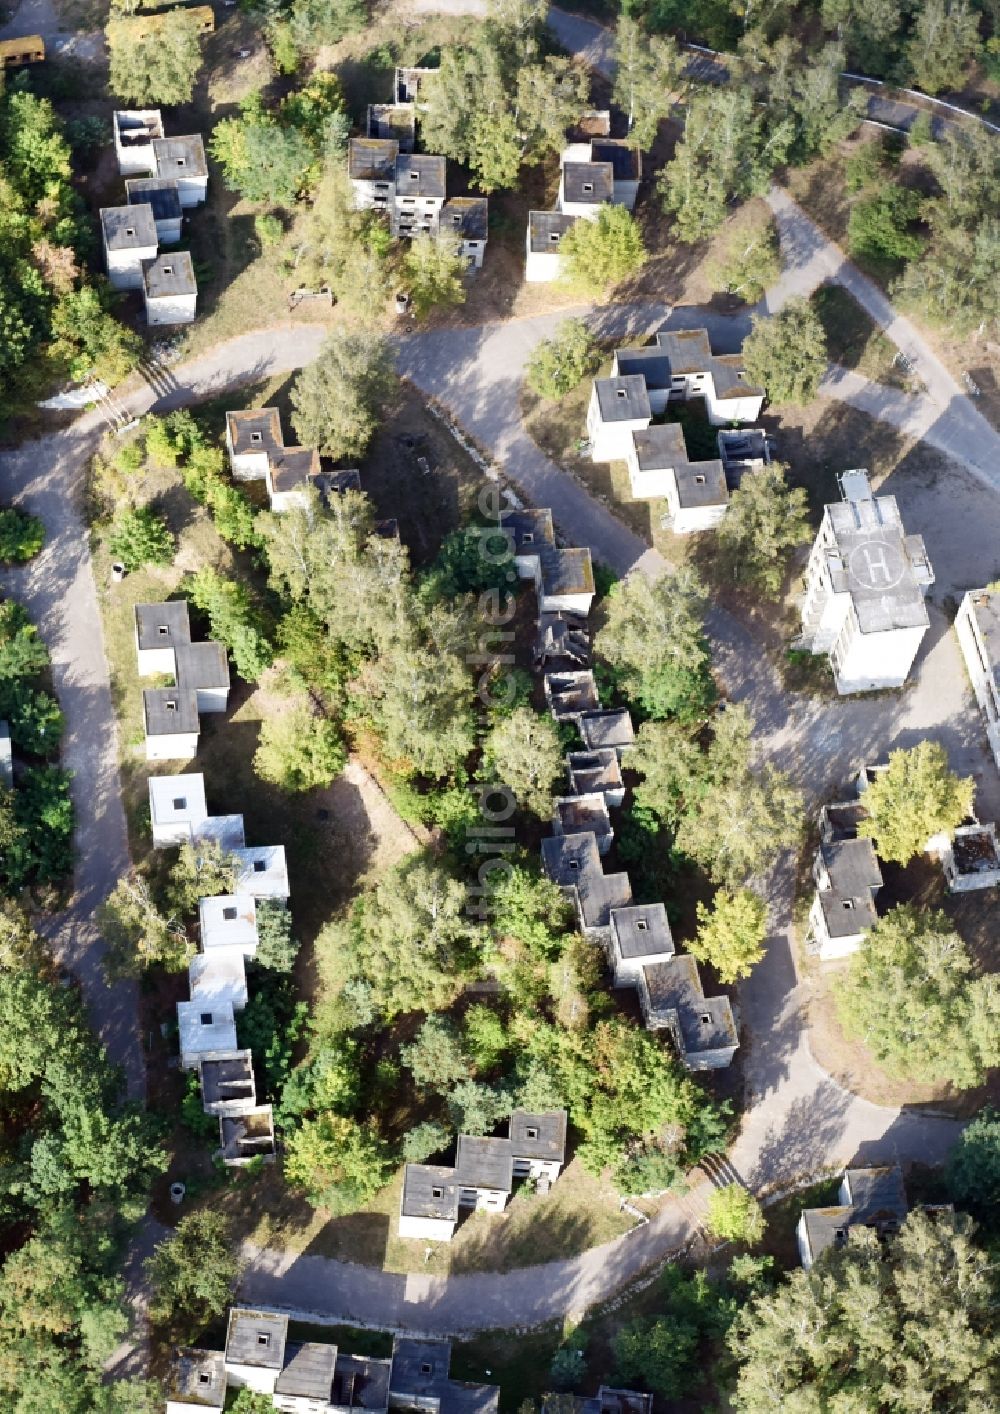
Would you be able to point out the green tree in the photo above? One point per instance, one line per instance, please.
(471, 559)
(916, 798)
(276, 946)
(653, 638)
(432, 272)
(785, 353)
(928, 1338)
(339, 1163)
(477, 1108)
(137, 934)
(262, 159)
(22, 653)
(249, 1401)
(648, 76)
(560, 364)
(338, 398)
(21, 536)
(658, 1353)
(158, 68)
(974, 1166)
(600, 253)
(726, 153)
(298, 749)
(957, 281)
(412, 939)
(193, 1273)
(766, 520)
(141, 537)
(731, 933)
(419, 701)
(89, 341)
(911, 995)
(879, 227)
(525, 753)
(424, 1141)
(869, 28)
(202, 869)
(944, 41)
(734, 1215)
(435, 1058)
(748, 261)
(314, 23)
(568, 1367)
(743, 815)
(673, 769)
(234, 621)
(526, 908)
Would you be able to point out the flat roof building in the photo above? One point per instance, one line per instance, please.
(868, 1197)
(177, 807)
(848, 878)
(865, 585)
(639, 935)
(196, 1381)
(611, 728)
(702, 1028)
(545, 232)
(170, 718)
(204, 1029)
(169, 288)
(262, 871)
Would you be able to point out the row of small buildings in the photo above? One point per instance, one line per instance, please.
(317, 1377)
(635, 938)
(164, 178)
(228, 938)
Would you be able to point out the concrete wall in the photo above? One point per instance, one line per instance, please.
(873, 661)
(124, 267)
(178, 746)
(541, 266)
(426, 1229)
(156, 660)
(177, 309)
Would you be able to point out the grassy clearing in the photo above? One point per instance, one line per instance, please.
(579, 1212)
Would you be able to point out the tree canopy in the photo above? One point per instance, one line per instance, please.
(766, 520)
(338, 398)
(731, 933)
(785, 353)
(654, 640)
(894, 1330)
(916, 798)
(156, 67)
(912, 996)
(600, 253)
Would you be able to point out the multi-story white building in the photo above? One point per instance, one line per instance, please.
(163, 198)
(865, 585)
(677, 367)
(978, 627)
(135, 131)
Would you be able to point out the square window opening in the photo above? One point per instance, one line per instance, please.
(163, 630)
(529, 538)
(180, 802)
(699, 480)
(621, 393)
(574, 863)
(168, 269)
(256, 437)
(642, 925)
(705, 1019)
(171, 705)
(130, 230)
(229, 914)
(531, 1131)
(426, 1368)
(263, 1338)
(437, 1192)
(259, 866)
(206, 1018)
(204, 1379)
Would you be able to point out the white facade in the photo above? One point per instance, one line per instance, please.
(865, 585)
(170, 309)
(695, 492)
(611, 435)
(124, 267)
(546, 229)
(229, 921)
(172, 746)
(426, 1229)
(978, 627)
(6, 757)
(204, 1029)
(135, 130)
(177, 807)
